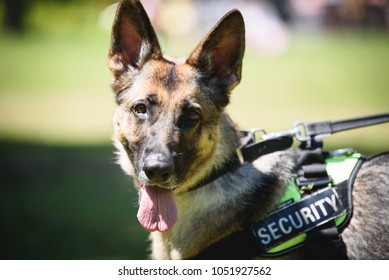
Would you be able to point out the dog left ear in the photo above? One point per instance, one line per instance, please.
(133, 40)
(219, 55)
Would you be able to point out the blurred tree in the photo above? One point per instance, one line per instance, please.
(15, 11)
(283, 9)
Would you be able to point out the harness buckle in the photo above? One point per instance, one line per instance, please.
(255, 131)
(249, 138)
(275, 135)
(303, 182)
(240, 155)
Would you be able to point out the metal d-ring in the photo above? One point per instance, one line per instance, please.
(254, 132)
(301, 132)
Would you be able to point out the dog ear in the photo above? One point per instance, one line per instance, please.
(133, 40)
(219, 55)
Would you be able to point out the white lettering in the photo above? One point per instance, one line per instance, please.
(294, 224)
(265, 237)
(304, 218)
(322, 208)
(307, 214)
(273, 231)
(314, 211)
(332, 202)
(282, 222)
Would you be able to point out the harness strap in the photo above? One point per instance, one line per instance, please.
(314, 170)
(240, 245)
(314, 174)
(325, 243)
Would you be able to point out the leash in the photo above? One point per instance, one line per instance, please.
(303, 132)
(323, 241)
(251, 149)
(328, 128)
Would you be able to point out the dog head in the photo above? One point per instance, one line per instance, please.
(167, 121)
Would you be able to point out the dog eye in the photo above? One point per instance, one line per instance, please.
(140, 109)
(193, 116)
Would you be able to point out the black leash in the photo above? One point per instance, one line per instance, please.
(303, 132)
(328, 127)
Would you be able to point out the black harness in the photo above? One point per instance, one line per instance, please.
(323, 240)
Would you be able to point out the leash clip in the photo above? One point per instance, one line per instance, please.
(301, 131)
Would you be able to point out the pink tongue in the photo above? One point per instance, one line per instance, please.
(157, 209)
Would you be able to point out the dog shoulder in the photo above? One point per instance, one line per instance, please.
(366, 236)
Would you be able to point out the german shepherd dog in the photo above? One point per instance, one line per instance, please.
(171, 132)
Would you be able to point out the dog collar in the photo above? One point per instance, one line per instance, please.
(247, 152)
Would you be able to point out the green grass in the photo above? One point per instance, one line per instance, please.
(61, 195)
(55, 89)
(66, 202)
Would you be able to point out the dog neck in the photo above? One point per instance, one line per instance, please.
(227, 159)
(224, 160)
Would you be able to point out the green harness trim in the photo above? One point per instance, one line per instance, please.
(340, 169)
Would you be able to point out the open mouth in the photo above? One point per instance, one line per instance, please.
(157, 208)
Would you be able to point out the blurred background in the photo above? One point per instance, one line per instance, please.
(62, 195)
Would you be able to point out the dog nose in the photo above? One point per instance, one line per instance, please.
(158, 171)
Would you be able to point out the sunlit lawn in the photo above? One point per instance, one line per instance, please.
(62, 195)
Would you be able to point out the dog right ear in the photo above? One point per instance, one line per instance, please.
(219, 55)
(133, 39)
